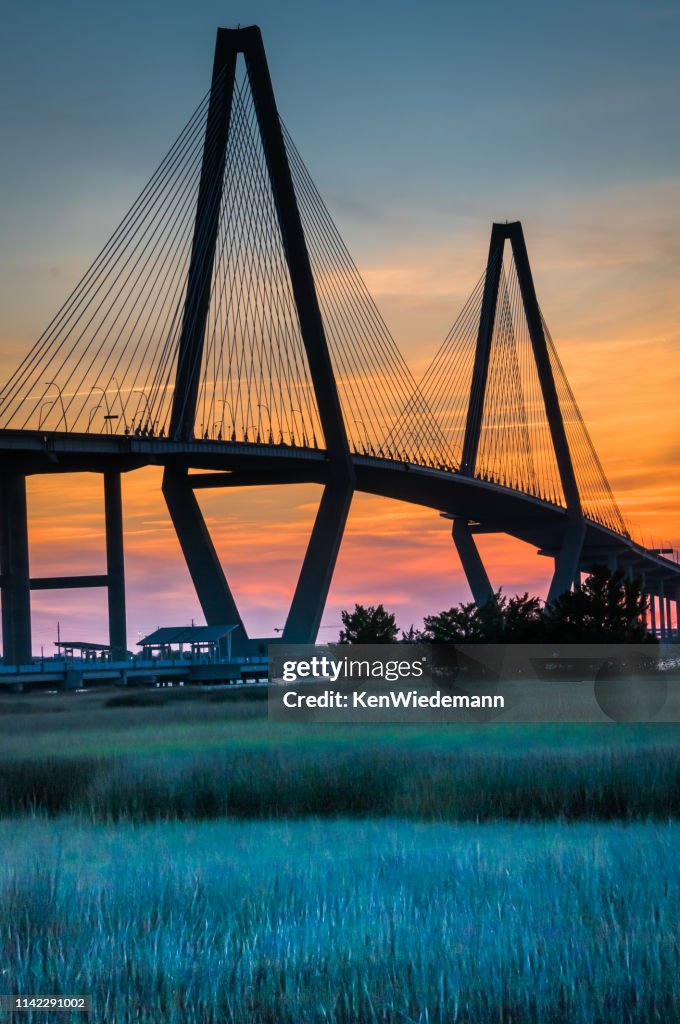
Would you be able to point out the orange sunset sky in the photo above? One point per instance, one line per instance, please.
(603, 236)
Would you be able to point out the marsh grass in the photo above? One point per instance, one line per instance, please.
(343, 922)
(536, 785)
(339, 876)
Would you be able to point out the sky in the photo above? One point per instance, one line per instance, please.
(420, 124)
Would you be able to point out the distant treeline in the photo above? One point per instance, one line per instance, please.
(608, 607)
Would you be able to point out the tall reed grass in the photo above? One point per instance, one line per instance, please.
(570, 784)
(342, 922)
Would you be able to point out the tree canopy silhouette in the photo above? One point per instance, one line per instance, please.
(500, 620)
(368, 625)
(608, 607)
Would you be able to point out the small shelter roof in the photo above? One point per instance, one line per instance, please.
(167, 635)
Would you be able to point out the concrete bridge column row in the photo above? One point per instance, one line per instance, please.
(664, 610)
(16, 582)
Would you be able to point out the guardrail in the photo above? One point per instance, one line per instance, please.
(73, 673)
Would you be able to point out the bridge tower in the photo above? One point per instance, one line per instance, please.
(212, 588)
(568, 553)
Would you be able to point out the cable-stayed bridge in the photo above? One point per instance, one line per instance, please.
(224, 333)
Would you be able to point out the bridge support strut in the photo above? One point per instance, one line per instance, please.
(471, 560)
(311, 593)
(662, 610)
(115, 565)
(567, 559)
(14, 570)
(212, 589)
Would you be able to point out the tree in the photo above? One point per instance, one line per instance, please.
(523, 620)
(498, 620)
(412, 636)
(368, 625)
(463, 624)
(608, 607)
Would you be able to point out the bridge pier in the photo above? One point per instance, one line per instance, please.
(311, 592)
(669, 617)
(14, 570)
(567, 560)
(215, 597)
(471, 560)
(115, 565)
(662, 611)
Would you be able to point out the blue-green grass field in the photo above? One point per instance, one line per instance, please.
(190, 862)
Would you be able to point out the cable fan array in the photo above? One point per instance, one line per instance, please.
(515, 444)
(107, 361)
(374, 382)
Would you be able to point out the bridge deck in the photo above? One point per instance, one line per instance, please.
(491, 507)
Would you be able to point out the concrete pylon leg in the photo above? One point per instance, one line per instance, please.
(567, 559)
(212, 589)
(471, 560)
(115, 565)
(662, 612)
(311, 592)
(14, 571)
(652, 613)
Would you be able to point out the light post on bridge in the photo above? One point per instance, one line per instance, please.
(263, 405)
(109, 416)
(302, 428)
(364, 441)
(149, 421)
(227, 405)
(53, 383)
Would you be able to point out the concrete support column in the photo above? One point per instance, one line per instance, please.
(662, 611)
(316, 574)
(567, 559)
(115, 565)
(652, 612)
(473, 567)
(14, 570)
(212, 589)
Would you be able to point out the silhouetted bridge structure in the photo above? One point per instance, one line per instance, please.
(225, 334)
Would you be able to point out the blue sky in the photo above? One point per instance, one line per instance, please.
(413, 116)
